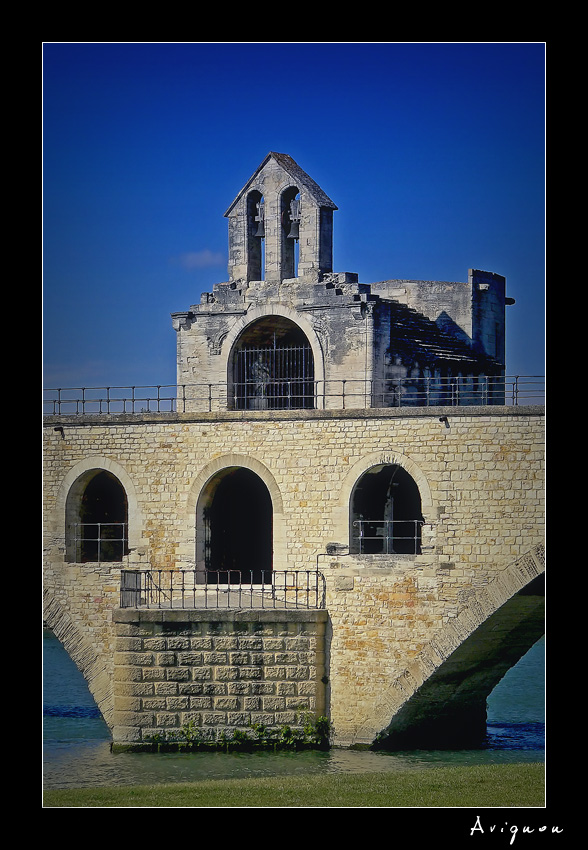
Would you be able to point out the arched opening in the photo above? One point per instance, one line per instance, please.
(97, 519)
(450, 708)
(290, 229)
(237, 528)
(255, 235)
(386, 515)
(272, 367)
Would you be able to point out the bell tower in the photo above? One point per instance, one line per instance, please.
(280, 225)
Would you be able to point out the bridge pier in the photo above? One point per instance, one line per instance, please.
(215, 672)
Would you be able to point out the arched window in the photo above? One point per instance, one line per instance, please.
(386, 515)
(272, 367)
(290, 210)
(235, 524)
(97, 519)
(255, 235)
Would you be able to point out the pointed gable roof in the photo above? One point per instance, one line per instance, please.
(300, 177)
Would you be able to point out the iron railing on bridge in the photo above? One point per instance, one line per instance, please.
(190, 589)
(292, 395)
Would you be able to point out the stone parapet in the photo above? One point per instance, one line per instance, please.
(148, 417)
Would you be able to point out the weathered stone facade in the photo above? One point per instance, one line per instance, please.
(381, 344)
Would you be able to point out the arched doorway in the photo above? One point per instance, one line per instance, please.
(385, 513)
(97, 518)
(237, 528)
(272, 367)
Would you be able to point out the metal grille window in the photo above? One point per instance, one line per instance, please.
(100, 541)
(388, 537)
(277, 376)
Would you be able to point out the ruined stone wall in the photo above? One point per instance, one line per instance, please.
(472, 311)
(350, 332)
(433, 298)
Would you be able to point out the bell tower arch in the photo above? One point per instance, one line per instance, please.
(280, 225)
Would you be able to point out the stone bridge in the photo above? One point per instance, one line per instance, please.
(425, 524)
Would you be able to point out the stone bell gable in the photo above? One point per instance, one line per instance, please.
(280, 212)
(287, 332)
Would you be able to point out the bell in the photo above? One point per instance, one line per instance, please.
(294, 231)
(259, 218)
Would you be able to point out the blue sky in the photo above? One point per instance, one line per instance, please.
(433, 152)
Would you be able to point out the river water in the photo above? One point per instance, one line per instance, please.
(76, 741)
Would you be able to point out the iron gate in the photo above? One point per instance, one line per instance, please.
(271, 377)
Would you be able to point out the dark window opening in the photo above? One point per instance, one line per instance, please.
(290, 222)
(238, 529)
(273, 367)
(102, 531)
(255, 235)
(386, 515)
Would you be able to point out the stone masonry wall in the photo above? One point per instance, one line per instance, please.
(481, 486)
(220, 671)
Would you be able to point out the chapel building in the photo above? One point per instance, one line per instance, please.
(287, 332)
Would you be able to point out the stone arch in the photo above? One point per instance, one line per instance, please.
(203, 489)
(76, 479)
(279, 313)
(443, 690)
(362, 466)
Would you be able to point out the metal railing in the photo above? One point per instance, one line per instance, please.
(190, 589)
(388, 537)
(132, 399)
(99, 542)
(292, 395)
